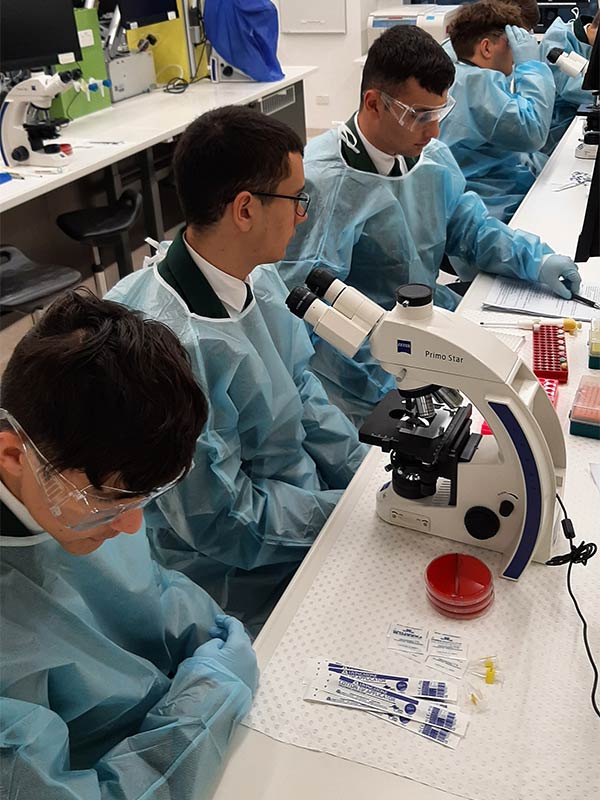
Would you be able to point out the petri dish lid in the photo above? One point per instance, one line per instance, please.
(458, 580)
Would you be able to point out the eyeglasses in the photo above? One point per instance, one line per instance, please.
(302, 200)
(76, 508)
(411, 118)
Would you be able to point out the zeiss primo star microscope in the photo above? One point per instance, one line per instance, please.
(25, 122)
(498, 491)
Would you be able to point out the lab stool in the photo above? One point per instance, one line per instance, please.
(26, 286)
(102, 227)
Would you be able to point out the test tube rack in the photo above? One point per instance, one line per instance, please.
(550, 353)
(550, 387)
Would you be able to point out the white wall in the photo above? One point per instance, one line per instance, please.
(338, 80)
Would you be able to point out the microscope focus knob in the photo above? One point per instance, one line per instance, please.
(20, 153)
(413, 295)
(482, 522)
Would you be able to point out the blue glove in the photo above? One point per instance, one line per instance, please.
(231, 647)
(522, 44)
(556, 267)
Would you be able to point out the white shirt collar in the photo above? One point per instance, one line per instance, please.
(230, 291)
(21, 513)
(383, 161)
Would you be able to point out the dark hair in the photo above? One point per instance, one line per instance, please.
(226, 151)
(595, 23)
(530, 12)
(99, 388)
(480, 20)
(404, 52)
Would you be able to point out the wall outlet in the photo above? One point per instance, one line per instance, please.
(322, 99)
(86, 38)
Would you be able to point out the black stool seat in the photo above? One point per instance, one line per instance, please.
(24, 283)
(101, 226)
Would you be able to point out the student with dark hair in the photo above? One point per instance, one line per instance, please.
(275, 455)
(529, 11)
(389, 202)
(117, 678)
(576, 36)
(496, 129)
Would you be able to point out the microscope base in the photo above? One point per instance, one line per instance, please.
(434, 515)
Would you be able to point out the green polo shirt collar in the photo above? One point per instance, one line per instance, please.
(183, 276)
(361, 160)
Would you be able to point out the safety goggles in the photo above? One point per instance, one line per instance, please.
(79, 508)
(410, 118)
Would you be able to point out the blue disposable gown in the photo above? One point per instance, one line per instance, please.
(274, 456)
(245, 33)
(102, 697)
(495, 133)
(449, 50)
(377, 232)
(569, 94)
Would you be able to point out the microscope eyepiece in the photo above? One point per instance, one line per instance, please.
(554, 54)
(319, 280)
(299, 300)
(414, 294)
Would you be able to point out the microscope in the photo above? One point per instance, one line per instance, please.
(25, 122)
(573, 65)
(497, 492)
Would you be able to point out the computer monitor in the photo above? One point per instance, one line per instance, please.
(37, 33)
(589, 239)
(135, 13)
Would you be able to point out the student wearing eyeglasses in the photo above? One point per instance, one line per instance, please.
(275, 454)
(118, 678)
(504, 100)
(388, 204)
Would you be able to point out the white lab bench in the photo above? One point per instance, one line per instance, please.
(133, 127)
(260, 766)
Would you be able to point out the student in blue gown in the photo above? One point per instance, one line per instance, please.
(390, 206)
(576, 36)
(504, 99)
(119, 679)
(275, 454)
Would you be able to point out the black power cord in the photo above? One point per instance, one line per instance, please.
(578, 554)
(179, 85)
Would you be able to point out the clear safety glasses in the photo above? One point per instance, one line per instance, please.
(410, 118)
(78, 508)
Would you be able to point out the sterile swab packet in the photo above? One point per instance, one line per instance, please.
(389, 702)
(413, 687)
(430, 732)
(436, 735)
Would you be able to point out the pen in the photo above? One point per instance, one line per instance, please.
(587, 301)
(579, 298)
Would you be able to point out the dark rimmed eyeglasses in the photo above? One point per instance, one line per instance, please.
(302, 200)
